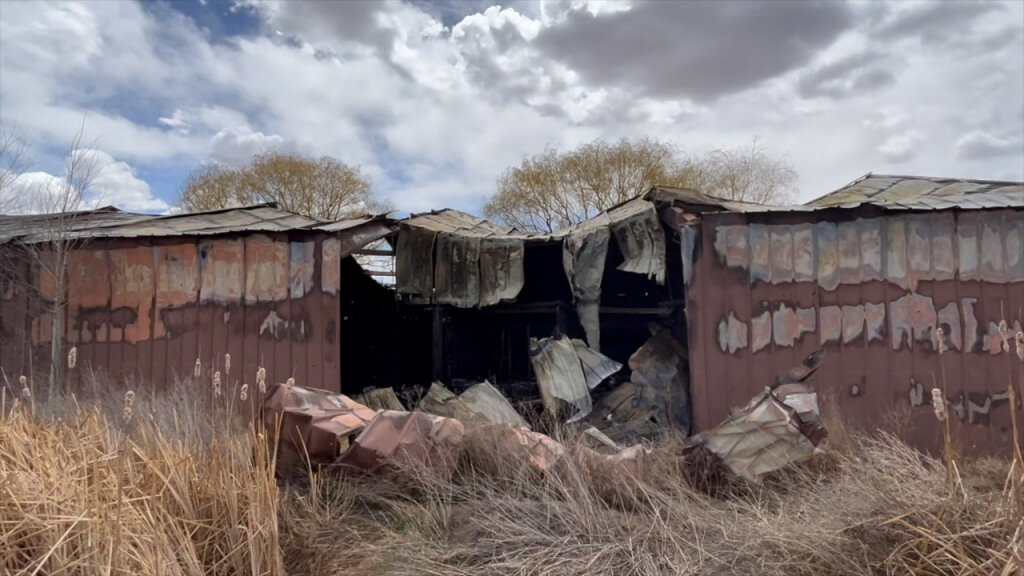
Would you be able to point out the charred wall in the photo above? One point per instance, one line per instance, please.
(493, 342)
(382, 344)
(873, 288)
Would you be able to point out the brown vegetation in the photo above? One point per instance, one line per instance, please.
(323, 188)
(167, 484)
(557, 189)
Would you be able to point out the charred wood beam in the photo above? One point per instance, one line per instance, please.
(664, 309)
(437, 343)
(373, 252)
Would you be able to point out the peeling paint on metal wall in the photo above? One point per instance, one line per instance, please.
(732, 334)
(873, 289)
(761, 331)
(917, 247)
(781, 255)
(301, 265)
(803, 253)
(330, 271)
(789, 325)
(149, 310)
(220, 267)
(266, 269)
(828, 255)
(131, 283)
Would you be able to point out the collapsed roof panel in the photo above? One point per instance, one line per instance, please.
(457, 270)
(454, 258)
(640, 237)
(501, 269)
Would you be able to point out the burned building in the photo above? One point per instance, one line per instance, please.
(907, 283)
(670, 308)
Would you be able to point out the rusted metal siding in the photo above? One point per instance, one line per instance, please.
(872, 287)
(146, 309)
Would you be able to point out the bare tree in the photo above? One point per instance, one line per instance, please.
(323, 188)
(556, 189)
(64, 200)
(12, 163)
(746, 174)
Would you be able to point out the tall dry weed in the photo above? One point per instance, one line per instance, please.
(84, 493)
(184, 486)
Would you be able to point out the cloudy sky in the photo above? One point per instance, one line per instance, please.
(435, 99)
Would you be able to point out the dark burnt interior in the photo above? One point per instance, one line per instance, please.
(386, 341)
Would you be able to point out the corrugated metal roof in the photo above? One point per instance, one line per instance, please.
(923, 193)
(464, 224)
(700, 201)
(448, 220)
(19, 226)
(112, 223)
(349, 223)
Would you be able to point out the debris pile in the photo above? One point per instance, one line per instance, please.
(778, 427)
(567, 370)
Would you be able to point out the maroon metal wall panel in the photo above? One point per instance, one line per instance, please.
(315, 333)
(15, 323)
(144, 311)
(695, 332)
(872, 288)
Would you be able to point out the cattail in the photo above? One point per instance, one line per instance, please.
(261, 380)
(129, 402)
(227, 364)
(198, 370)
(26, 394)
(72, 357)
(244, 394)
(216, 384)
(940, 337)
(1020, 345)
(940, 404)
(290, 382)
(1004, 333)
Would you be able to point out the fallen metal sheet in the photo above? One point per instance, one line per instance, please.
(481, 402)
(638, 233)
(566, 371)
(630, 458)
(600, 437)
(660, 378)
(596, 366)
(539, 450)
(618, 406)
(313, 423)
(380, 399)
(775, 429)
(802, 372)
(395, 436)
(583, 255)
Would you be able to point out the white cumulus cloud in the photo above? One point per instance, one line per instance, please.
(238, 144)
(109, 182)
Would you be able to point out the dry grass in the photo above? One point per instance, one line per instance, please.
(182, 489)
(153, 492)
